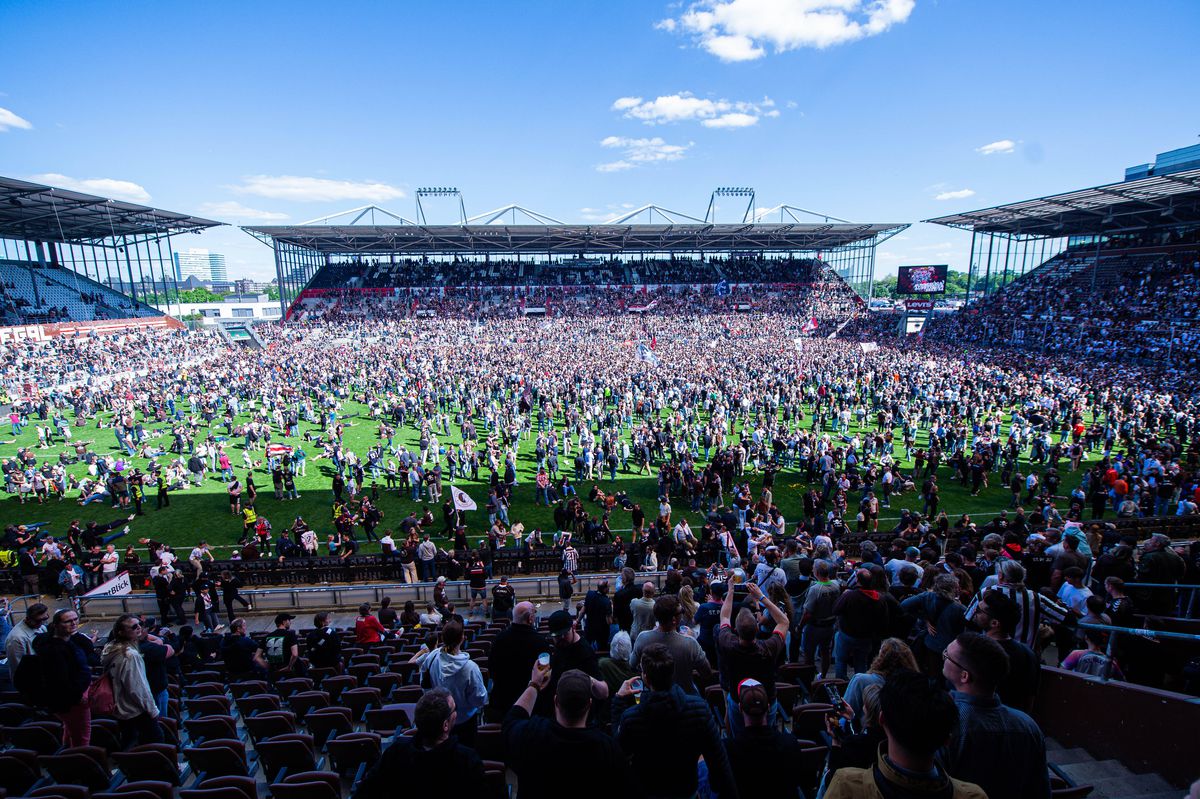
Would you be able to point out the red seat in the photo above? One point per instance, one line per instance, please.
(248, 688)
(309, 785)
(386, 720)
(79, 765)
(354, 750)
(269, 724)
(157, 762)
(293, 685)
(59, 791)
(207, 706)
(285, 754)
(336, 684)
(210, 727)
(218, 757)
(222, 788)
(326, 721)
(43, 737)
(249, 704)
(19, 770)
(360, 699)
(139, 790)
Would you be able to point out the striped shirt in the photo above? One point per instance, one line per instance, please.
(1035, 610)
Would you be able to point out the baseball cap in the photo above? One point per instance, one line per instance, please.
(282, 617)
(559, 622)
(753, 698)
(574, 692)
(912, 551)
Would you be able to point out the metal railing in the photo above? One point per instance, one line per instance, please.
(1139, 632)
(351, 596)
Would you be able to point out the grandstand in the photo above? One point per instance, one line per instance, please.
(69, 257)
(485, 252)
(1092, 271)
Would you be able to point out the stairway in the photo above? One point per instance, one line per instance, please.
(1108, 778)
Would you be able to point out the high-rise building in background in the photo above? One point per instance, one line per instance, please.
(201, 264)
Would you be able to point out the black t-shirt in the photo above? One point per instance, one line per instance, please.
(238, 653)
(762, 760)
(597, 608)
(1018, 689)
(552, 761)
(324, 648)
(512, 657)
(621, 600)
(279, 647)
(565, 657)
(155, 656)
(503, 598)
(477, 575)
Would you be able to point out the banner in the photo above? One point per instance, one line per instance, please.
(117, 586)
(868, 346)
(100, 326)
(462, 500)
(646, 355)
(918, 306)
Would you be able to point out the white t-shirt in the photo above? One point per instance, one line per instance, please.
(108, 563)
(1074, 598)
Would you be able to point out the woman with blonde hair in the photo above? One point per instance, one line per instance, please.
(894, 655)
(687, 607)
(133, 703)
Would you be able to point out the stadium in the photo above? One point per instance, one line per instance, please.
(682, 503)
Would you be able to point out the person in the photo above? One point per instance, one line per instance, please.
(667, 729)
(816, 620)
(65, 654)
(850, 747)
(597, 616)
(242, 655)
(549, 753)
(894, 655)
(504, 597)
(134, 707)
(1092, 659)
(367, 629)
(742, 655)
(19, 641)
(409, 617)
(1035, 609)
(918, 717)
(1159, 564)
(862, 621)
(155, 654)
(424, 762)
(997, 615)
(324, 645)
(990, 737)
(450, 668)
(627, 591)
(939, 617)
(615, 668)
(387, 614)
(566, 588)
(282, 648)
(513, 654)
(761, 758)
(642, 611)
(685, 650)
(477, 585)
(231, 586)
(570, 653)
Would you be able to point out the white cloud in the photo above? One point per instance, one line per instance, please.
(639, 152)
(997, 147)
(104, 187)
(9, 120)
(961, 194)
(305, 189)
(232, 209)
(687, 107)
(741, 30)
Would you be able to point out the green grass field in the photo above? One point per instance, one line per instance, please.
(203, 512)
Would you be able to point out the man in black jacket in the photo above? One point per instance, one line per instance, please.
(668, 730)
(426, 763)
(512, 656)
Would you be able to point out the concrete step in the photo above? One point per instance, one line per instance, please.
(1053, 745)
(1063, 757)
(1139, 785)
(1093, 771)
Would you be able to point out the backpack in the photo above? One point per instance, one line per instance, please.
(101, 698)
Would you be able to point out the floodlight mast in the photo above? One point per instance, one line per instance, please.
(441, 191)
(731, 191)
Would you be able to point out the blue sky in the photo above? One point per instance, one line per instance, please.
(285, 111)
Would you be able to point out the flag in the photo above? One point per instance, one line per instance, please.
(810, 326)
(646, 355)
(723, 288)
(462, 500)
(275, 450)
(653, 341)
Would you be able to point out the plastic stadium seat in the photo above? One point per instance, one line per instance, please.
(19, 770)
(366, 657)
(309, 785)
(43, 737)
(786, 695)
(407, 694)
(141, 789)
(222, 788)
(207, 706)
(269, 724)
(386, 720)
(202, 689)
(797, 674)
(362, 671)
(489, 742)
(1072, 792)
(354, 750)
(360, 699)
(495, 774)
(157, 762)
(59, 791)
(293, 685)
(304, 701)
(287, 754)
(218, 757)
(207, 727)
(385, 681)
(106, 734)
(249, 704)
(13, 714)
(808, 721)
(248, 688)
(326, 721)
(79, 765)
(336, 684)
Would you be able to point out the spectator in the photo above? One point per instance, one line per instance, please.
(513, 654)
(1160, 564)
(65, 654)
(135, 709)
(997, 615)
(19, 641)
(570, 653)
(817, 620)
(504, 597)
(242, 655)
(668, 729)
(324, 648)
(685, 650)
(742, 655)
(761, 758)
(939, 617)
(1035, 609)
(1092, 659)
(367, 629)
(562, 754)
(642, 611)
(991, 737)
(450, 668)
(615, 668)
(918, 718)
(424, 762)
(862, 621)
(597, 616)
(894, 655)
(282, 648)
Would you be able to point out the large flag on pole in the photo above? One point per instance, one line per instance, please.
(723, 288)
(646, 355)
(462, 500)
(809, 327)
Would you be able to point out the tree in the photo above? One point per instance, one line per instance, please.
(199, 295)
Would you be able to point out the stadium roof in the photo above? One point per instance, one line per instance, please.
(1157, 201)
(33, 212)
(602, 238)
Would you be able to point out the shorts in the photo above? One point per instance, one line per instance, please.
(478, 593)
